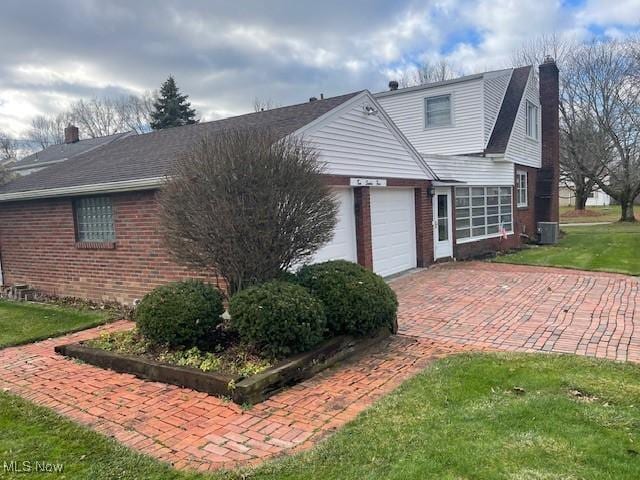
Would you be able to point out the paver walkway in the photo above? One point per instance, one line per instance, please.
(523, 308)
(443, 310)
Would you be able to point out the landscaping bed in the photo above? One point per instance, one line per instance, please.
(248, 381)
(277, 333)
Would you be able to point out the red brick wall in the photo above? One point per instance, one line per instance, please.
(37, 241)
(38, 245)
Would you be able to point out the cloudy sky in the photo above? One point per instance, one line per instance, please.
(224, 54)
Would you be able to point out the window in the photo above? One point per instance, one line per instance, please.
(482, 212)
(94, 219)
(532, 120)
(522, 192)
(437, 111)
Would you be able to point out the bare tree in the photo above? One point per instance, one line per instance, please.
(260, 104)
(48, 130)
(247, 206)
(429, 72)
(607, 87)
(8, 152)
(99, 117)
(535, 50)
(8, 148)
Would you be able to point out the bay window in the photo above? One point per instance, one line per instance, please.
(483, 212)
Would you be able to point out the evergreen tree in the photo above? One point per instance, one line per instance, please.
(171, 108)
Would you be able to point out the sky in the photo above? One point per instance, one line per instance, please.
(225, 54)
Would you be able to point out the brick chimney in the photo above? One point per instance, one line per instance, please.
(548, 179)
(71, 134)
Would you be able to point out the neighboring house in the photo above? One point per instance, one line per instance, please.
(597, 198)
(89, 227)
(71, 147)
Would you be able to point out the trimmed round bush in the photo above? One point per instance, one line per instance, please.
(279, 318)
(180, 314)
(356, 300)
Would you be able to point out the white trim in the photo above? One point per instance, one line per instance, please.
(485, 237)
(526, 120)
(448, 192)
(112, 187)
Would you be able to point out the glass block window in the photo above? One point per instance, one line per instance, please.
(94, 219)
(483, 211)
(437, 111)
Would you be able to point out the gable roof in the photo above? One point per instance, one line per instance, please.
(144, 160)
(64, 151)
(501, 133)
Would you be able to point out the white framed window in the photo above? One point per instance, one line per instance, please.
(94, 219)
(522, 191)
(483, 212)
(437, 111)
(532, 120)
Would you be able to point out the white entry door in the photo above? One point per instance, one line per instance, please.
(442, 231)
(393, 230)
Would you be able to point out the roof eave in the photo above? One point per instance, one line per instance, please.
(96, 188)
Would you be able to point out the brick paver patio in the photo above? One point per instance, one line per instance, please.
(443, 310)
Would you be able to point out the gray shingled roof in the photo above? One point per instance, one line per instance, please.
(64, 151)
(508, 110)
(151, 155)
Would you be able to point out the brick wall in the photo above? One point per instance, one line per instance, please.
(38, 245)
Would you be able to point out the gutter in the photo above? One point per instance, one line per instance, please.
(111, 187)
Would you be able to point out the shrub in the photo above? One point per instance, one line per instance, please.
(356, 300)
(277, 317)
(180, 314)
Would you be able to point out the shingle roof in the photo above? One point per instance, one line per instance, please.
(65, 151)
(151, 155)
(508, 110)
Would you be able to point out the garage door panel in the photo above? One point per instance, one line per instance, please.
(393, 230)
(343, 244)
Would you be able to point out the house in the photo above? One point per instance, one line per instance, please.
(597, 198)
(89, 227)
(71, 148)
(492, 140)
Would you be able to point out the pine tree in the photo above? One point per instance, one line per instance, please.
(171, 108)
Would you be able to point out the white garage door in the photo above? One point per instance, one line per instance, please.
(343, 244)
(393, 230)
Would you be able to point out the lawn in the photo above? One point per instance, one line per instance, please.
(607, 248)
(593, 214)
(481, 416)
(27, 322)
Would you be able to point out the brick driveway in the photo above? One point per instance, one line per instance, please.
(443, 310)
(521, 308)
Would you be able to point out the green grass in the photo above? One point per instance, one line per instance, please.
(606, 248)
(27, 322)
(610, 213)
(482, 416)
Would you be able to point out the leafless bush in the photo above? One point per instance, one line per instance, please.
(247, 206)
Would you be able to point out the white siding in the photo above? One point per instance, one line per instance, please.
(495, 85)
(465, 135)
(472, 170)
(521, 149)
(355, 144)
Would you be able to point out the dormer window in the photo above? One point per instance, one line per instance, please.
(532, 120)
(437, 111)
